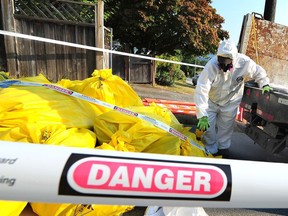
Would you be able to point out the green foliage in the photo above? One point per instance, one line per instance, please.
(191, 71)
(168, 73)
(159, 27)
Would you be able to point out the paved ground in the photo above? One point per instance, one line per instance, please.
(148, 91)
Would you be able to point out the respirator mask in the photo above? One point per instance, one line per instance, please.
(225, 63)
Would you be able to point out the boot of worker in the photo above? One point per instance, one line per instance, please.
(223, 152)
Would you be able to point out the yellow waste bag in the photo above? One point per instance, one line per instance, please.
(129, 133)
(190, 150)
(11, 208)
(30, 104)
(159, 113)
(51, 209)
(105, 86)
(37, 79)
(72, 137)
(121, 141)
(51, 134)
(117, 131)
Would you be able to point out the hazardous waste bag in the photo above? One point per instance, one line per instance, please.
(50, 134)
(188, 149)
(121, 132)
(31, 104)
(166, 116)
(159, 113)
(51, 209)
(11, 208)
(106, 87)
(28, 104)
(54, 135)
(128, 133)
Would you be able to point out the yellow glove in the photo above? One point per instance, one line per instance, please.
(266, 88)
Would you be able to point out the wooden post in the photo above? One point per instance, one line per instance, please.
(3, 58)
(10, 42)
(153, 72)
(129, 69)
(99, 34)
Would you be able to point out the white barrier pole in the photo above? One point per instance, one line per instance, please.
(46, 173)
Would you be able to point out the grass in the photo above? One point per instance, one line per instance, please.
(179, 86)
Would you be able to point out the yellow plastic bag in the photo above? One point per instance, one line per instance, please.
(37, 79)
(189, 150)
(159, 113)
(29, 104)
(51, 134)
(72, 137)
(105, 86)
(51, 209)
(11, 208)
(128, 133)
(117, 131)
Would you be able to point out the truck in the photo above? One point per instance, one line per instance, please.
(265, 116)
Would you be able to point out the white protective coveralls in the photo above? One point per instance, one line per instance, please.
(218, 94)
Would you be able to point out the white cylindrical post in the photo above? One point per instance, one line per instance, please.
(46, 173)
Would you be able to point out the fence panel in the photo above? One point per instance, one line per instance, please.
(29, 58)
(55, 61)
(140, 71)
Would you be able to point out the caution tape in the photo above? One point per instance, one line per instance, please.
(155, 122)
(64, 43)
(58, 174)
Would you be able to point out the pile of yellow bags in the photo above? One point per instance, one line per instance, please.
(35, 114)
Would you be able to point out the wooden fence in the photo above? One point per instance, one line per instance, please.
(134, 70)
(55, 61)
(28, 58)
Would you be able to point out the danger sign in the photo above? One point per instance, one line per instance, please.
(96, 175)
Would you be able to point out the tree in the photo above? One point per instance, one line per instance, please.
(168, 73)
(163, 26)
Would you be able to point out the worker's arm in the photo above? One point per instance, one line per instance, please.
(258, 73)
(203, 87)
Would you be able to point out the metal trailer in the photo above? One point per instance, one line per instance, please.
(267, 117)
(267, 121)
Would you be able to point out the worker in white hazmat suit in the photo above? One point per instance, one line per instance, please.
(219, 92)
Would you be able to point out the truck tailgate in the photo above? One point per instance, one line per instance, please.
(270, 106)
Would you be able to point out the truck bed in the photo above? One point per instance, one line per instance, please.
(273, 107)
